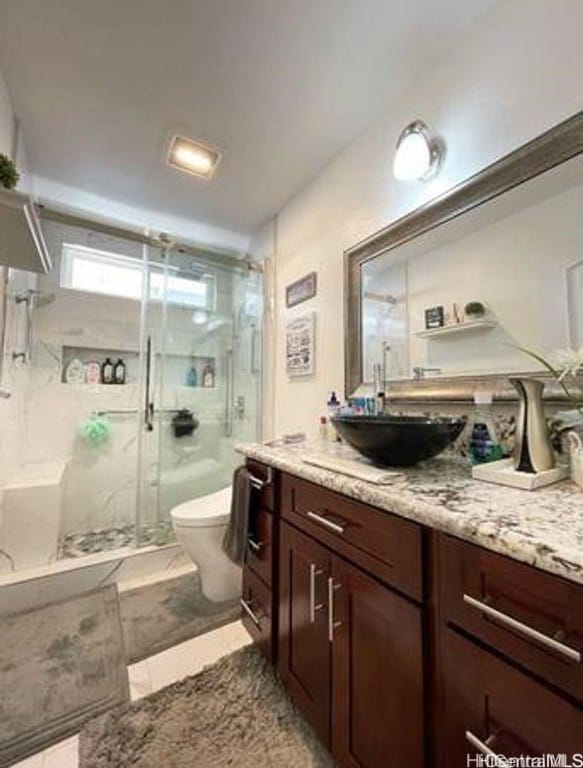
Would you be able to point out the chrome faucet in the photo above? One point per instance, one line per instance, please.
(380, 379)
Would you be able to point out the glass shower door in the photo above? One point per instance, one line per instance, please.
(202, 369)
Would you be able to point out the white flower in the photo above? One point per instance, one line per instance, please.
(568, 362)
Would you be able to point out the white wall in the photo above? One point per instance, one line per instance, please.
(514, 74)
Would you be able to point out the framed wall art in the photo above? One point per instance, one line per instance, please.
(301, 290)
(300, 346)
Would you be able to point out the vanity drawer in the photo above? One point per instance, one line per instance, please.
(262, 485)
(381, 543)
(491, 705)
(531, 616)
(257, 612)
(260, 544)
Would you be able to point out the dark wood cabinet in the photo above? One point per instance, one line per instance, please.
(259, 600)
(350, 656)
(377, 683)
(529, 616)
(492, 705)
(402, 646)
(304, 648)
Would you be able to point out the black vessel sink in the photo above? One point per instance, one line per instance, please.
(398, 441)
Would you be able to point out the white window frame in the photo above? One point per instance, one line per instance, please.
(176, 297)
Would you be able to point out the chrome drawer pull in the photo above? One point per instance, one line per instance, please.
(250, 612)
(524, 629)
(332, 625)
(314, 571)
(336, 527)
(482, 746)
(258, 483)
(256, 546)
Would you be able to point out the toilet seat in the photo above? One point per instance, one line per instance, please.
(207, 511)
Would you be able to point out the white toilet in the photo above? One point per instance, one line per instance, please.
(200, 526)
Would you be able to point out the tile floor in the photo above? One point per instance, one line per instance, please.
(150, 675)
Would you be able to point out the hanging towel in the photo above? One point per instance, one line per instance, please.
(235, 540)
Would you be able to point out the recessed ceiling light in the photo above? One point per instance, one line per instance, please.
(193, 157)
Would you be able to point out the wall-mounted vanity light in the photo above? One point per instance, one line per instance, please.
(418, 154)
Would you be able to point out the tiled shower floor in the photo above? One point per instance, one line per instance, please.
(150, 675)
(105, 539)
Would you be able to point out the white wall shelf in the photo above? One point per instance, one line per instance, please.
(459, 328)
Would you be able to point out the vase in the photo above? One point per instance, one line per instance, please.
(533, 451)
(576, 458)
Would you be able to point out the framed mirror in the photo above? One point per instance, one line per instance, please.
(509, 241)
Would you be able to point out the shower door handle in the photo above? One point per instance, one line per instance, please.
(229, 393)
(148, 406)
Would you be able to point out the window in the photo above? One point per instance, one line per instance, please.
(93, 271)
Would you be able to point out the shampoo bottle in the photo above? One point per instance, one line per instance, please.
(107, 375)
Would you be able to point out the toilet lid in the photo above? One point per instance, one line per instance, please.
(210, 510)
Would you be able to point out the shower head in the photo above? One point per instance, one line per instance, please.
(5, 394)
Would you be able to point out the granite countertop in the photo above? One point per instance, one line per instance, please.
(543, 528)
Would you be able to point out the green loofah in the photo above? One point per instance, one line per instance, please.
(95, 431)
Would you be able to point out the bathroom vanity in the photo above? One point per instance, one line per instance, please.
(418, 623)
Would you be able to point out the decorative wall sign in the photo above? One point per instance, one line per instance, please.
(300, 343)
(301, 290)
(434, 317)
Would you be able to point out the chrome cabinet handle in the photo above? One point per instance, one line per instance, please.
(336, 527)
(258, 483)
(314, 571)
(256, 546)
(332, 625)
(484, 748)
(523, 629)
(250, 612)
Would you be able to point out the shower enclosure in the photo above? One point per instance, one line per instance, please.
(132, 368)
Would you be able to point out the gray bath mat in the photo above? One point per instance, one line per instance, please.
(234, 713)
(60, 665)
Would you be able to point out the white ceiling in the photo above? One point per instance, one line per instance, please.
(279, 85)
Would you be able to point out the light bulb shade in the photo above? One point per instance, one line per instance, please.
(417, 155)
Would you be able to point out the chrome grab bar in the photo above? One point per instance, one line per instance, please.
(250, 612)
(314, 571)
(524, 629)
(129, 411)
(332, 625)
(258, 483)
(336, 527)
(484, 748)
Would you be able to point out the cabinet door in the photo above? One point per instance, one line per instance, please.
(491, 706)
(304, 648)
(377, 662)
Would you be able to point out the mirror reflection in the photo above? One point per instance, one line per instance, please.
(461, 298)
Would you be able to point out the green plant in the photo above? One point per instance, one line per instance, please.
(9, 176)
(475, 308)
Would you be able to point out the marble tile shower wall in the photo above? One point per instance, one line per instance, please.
(16, 376)
(41, 422)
